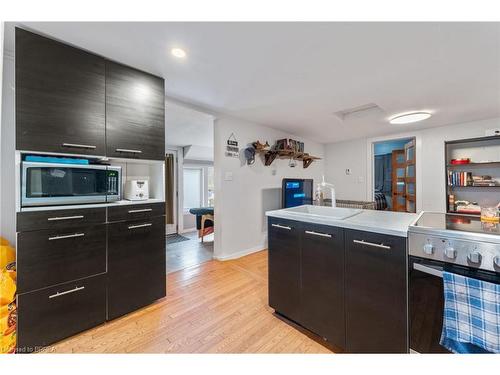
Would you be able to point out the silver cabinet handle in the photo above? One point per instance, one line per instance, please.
(143, 210)
(127, 150)
(65, 218)
(139, 226)
(76, 145)
(380, 245)
(281, 226)
(318, 234)
(429, 270)
(59, 294)
(66, 236)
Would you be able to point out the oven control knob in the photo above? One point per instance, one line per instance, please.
(475, 257)
(450, 252)
(428, 249)
(496, 261)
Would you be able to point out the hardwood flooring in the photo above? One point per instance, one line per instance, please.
(189, 253)
(214, 307)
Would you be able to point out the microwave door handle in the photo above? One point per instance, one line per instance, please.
(438, 272)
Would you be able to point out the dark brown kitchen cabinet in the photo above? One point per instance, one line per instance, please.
(135, 113)
(376, 295)
(52, 314)
(60, 97)
(54, 256)
(322, 294)
(136, 264)
(284, 267)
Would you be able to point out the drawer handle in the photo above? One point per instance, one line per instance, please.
(379, 245)
(130, 151)
(76, 145)
(281, 226)
(318, 234)
(59, 294)
(66, 236)
(65, 218)
(139, 226)
(142, 210)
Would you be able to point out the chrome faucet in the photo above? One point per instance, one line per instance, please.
(319, 192)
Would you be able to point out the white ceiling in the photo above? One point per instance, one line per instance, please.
(185, 126)
(295, 76)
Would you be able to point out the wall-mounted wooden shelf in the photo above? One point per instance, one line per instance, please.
(271, 155)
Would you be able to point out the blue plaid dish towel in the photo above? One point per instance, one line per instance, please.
(471, 322)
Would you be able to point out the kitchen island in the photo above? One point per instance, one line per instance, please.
(342, 274)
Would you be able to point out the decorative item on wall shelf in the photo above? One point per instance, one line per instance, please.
(285, 148)
(232, 149)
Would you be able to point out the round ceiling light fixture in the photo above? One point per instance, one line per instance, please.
(407, 118)
(178, 52)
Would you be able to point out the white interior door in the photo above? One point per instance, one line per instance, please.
(173, 228)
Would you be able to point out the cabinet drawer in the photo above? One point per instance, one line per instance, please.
(49, 257)
(49, 315)
(136, 212)
(136, 264)
(59, 219)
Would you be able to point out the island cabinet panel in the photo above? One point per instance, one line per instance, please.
(135, 113)
(136, 264)
(60, 97)
(284, 267)
(376, 295)
(322, 295)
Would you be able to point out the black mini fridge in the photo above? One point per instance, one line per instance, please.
(296, 192)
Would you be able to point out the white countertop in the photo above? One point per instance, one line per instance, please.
(384, 222)
(92, 205)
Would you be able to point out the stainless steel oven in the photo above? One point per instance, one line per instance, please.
(48, 184)
(440, 242)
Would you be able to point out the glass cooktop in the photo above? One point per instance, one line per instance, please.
(462, 223)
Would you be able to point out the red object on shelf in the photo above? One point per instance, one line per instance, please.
(460, 161)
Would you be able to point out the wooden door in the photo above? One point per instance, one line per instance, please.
(398, 180)
(410, 177)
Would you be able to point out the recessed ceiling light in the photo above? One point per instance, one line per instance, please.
(407, 118)
(178, 52)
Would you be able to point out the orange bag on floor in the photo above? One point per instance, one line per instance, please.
(7, 256)
(7, 287)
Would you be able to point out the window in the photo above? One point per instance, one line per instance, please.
(211, 194)
(193, 191)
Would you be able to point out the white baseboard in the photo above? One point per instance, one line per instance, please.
(188, 230)
(241, 253)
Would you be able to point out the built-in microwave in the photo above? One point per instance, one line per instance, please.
(49, 184)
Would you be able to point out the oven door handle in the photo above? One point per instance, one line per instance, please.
(438, 272)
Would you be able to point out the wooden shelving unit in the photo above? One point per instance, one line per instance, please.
(271, 155)
(477, 149)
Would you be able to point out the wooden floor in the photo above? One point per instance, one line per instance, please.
(214, 307)
(185, 254)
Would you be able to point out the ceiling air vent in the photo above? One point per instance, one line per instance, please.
(360, 111)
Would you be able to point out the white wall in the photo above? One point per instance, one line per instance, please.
(357, 155)
(240, 204)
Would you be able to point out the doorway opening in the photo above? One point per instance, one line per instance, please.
(395, 175)
(189, 181)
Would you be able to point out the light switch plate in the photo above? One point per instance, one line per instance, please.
(348, 171)
(228, 176)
